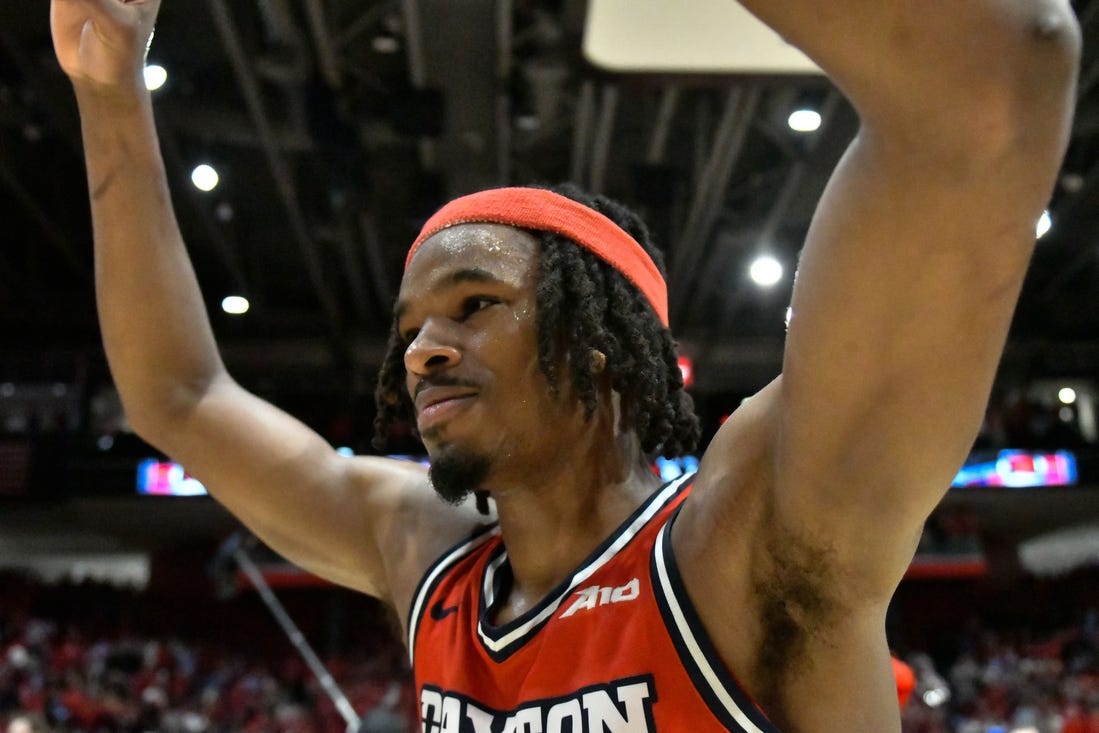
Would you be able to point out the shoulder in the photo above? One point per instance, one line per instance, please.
(729, 493)
(413, 525)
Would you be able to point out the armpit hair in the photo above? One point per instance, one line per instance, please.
(795, 587)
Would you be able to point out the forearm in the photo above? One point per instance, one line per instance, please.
(155, 329)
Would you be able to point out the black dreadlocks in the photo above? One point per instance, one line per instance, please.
(582, 303)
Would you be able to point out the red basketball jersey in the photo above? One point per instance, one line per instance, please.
(616, 648)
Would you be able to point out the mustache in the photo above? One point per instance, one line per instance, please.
(441, 380)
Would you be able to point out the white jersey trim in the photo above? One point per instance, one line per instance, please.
(686, 634)
(434, 574)
(513, 635)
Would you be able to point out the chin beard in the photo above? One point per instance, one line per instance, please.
(456, 474)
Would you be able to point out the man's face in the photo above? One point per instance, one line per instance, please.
(466, 313)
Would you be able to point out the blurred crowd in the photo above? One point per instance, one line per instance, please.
(69, 673)
(1011, 682)
(63, 681)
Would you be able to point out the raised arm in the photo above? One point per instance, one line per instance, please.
(811, 498)
(325, 512)
(905, 291)
(915, 257)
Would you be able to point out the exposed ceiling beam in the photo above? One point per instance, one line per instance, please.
(1076, 207)
(457, 54)
(604, 130)
(1089, 77)
(740, 107)
(582, 132)
(322, 41)
(364, 22)
(224, 250)
(505, 37)
(60, 108)
(658, 141)
(376, 265)
(414, 42)
(342, 237)
(58, 240)
(235, 128)
(280, 171)
(776, 215)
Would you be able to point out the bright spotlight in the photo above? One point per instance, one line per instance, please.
(155, 76)
(765, 271)
(935, 697)
(204, 177)
(1067, 395)
(234, 304)
(804, 120)
(385, 44)
(1045, 223)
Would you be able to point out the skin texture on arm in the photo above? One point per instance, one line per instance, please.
(915, 257)
(330, 514)
(811, 498)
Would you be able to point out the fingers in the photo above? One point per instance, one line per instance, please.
(102, 41)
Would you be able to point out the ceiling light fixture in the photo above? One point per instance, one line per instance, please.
(765, 271)
(385, 44)
(155, 76)
(235, 305)
(204, 177)
(804, 120)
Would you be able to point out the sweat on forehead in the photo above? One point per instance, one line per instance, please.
(468, 253)
(492, 239)
(495, 246)
(541, 210)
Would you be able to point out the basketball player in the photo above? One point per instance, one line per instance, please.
(530, 345)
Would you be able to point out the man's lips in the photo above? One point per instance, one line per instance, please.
(436, 404)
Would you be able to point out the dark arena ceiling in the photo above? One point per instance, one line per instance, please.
(338, 126)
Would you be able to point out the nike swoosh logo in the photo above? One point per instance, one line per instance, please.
(438, 612)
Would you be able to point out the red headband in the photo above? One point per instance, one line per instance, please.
(535, 208)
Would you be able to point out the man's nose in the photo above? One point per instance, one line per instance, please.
(431, 350)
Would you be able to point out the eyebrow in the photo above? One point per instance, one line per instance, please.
(451, 279)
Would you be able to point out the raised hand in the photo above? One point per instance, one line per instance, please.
(102, 44)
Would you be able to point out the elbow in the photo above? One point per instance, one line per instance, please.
(1050, 53)
(150, 422)
(160, 415)
(1014, 110)
(1003, 85)
(1043, 60)
(1054, 31)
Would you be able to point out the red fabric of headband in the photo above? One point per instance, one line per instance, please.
(535, 208)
